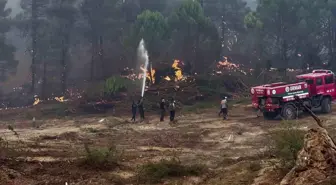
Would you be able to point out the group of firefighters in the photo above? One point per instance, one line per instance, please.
(171, 107)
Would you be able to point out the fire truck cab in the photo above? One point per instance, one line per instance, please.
(316, 89)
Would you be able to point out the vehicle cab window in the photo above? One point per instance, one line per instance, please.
(319, 81)
(308, 81)
(329, 79)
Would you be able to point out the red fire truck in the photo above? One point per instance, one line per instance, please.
(316, 90)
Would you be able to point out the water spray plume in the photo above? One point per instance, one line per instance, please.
(144, 56)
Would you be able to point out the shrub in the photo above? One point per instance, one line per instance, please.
(155, 172)
(115, 84)
(286, 143)
(101, 158)
(11, 150)
(255, 166)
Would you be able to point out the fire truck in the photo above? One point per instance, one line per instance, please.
(316, 90)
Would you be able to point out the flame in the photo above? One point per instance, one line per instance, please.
(59, 99)
(229, 66)
(148, 76)
(153, 75)
(37, 101)
(175, 65)
(167, 78)
(178, 72)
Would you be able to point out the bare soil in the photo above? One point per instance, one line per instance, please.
(47, 151)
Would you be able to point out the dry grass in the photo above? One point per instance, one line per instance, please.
(155, 172)
(105, 158)
(286, 143)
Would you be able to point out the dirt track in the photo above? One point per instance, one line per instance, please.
(226, 147)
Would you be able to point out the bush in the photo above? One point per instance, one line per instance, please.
(115, 84)
(155, 172)
(287, 142)
(255, 166)
(11, 150)
(101, 158)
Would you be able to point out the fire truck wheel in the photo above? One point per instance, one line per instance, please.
(326, 105)
(288, 112)
(270, 115)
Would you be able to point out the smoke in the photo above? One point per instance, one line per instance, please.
(23, 57)
(23, 70)
(15, 6)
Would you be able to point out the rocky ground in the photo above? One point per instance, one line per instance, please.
(216, 152)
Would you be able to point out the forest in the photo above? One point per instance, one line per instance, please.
(70, 122)
(276, 34)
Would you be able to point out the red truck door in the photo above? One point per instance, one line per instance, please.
(320, 88)
(330, 85)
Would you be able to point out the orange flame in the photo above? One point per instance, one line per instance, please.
(178, 72)
(167, 78)
(175, 65)
(148, 76)
(59, 99)
(37, 101)
(227, 64)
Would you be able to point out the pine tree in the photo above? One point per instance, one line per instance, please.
(8, 63)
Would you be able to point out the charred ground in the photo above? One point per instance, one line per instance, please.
(200, 149)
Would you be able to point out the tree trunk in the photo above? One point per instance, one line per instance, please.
(92, 61)
(330, 43)
(63, 71)
(44, 85)
(223, 45)
(333, 41)
(65, 47)
(34, 37)
(150, 72)
(101, 56)
(3, 75)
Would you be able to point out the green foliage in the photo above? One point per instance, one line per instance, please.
(251, 21)
(94, 91)
(101, 158)
(286, 143)
(153, 28)
(229, 16)
(197, 32)
(155, 172)
(115, 84)
(195, 36)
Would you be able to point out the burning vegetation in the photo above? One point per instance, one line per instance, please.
(150, 74)
(160, 78)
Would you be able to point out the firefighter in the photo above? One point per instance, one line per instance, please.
(224, 107)
(172, 109)
(141, 109)
(134, 109)
(162, 109)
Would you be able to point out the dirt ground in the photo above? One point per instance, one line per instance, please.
(227, 148)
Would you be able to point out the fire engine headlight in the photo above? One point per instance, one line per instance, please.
(274, 91)
(252, 91)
